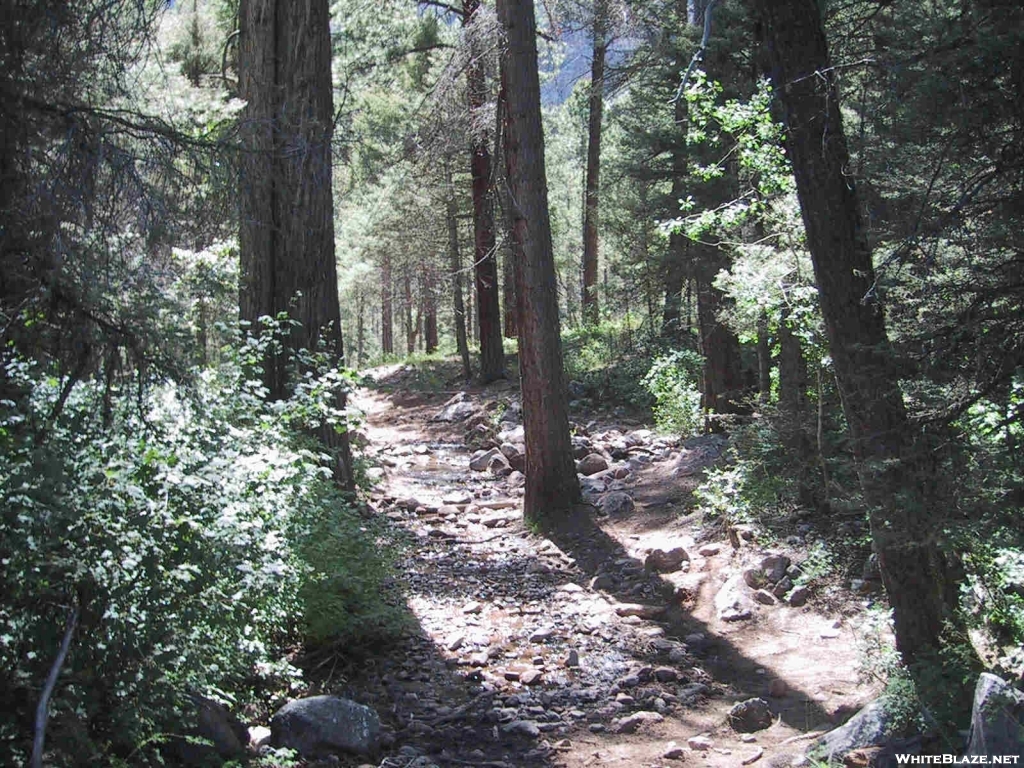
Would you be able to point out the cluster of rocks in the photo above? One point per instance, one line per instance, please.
(771, 582)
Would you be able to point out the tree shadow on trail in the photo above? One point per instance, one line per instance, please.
(596, 552)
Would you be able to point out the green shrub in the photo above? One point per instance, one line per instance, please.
(610, 361)
(674, 382)
(199, 533)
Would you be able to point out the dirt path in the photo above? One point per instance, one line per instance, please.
(564, 650)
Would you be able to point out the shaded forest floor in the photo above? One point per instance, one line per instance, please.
(563, 649)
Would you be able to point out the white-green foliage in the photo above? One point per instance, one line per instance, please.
(197, 533)
(674, 381)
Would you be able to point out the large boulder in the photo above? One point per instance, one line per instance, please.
(321, 725)
(997, 720)
(873, 725)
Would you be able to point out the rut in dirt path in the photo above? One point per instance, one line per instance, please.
(546, 650)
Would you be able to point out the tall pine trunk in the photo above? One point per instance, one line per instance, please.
(492, 351)
(552, 486)
(918, 579)
(286, 232)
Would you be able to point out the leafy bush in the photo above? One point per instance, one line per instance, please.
(674, 382)
(198, 533)
(610, 361)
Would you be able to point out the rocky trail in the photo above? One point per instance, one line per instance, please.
(630, 636)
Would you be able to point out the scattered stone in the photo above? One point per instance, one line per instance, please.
(700, 743)
(785, 584)
(774, 567)
(456, 409)
(631, 723)
(798, 596)
(603, 581)
(323, 724)
(748, 738)
(731, 602)
(472, 607)
(673, 752)
(754, 578)
(526, 728)
(996, 718)
(710, 550)
(591, 464)
(666, 675)
(616, 503)
(750, 715)
(259, 735)
(642, 611)
(542, 635)
(531, 677)
(455, 642)
(572, 659)
(754, 757)
(661, 561)
(482, 459)
(764, 597)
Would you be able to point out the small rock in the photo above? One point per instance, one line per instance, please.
(572, 659)
(632, 723)
(666, 675)
(777, 688)
(591, 464)
(731, 603)
(602, 581)
(482, 459)
(455, 642)
(642, 611)
(473, 606)
(774, 567)
(798, 596)
(661, 561)
(258, 736)
(531, 677)
(750, 715)
(754, 578)
(673, 752)
(700, 743)
(764, 597)
(542, 635)
(522, 728)
(710, 550)
(616, 503)
(785, 584)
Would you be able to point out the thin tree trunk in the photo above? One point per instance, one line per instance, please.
(590, 310)
(764, 360)
(387, 328)
(552, 486)
(410, 326)
(920, 583)
(492, 351)
(723, 378)
(455, 267)
(360, 328)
